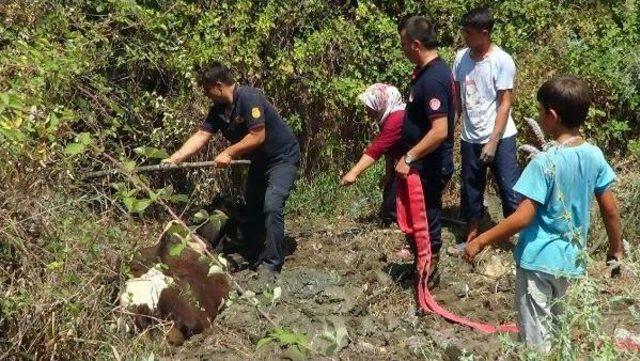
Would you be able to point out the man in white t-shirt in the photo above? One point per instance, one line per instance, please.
(485, 76)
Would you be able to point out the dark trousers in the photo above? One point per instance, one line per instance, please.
(474, 177)
(388, 207)
(434, 176)
(434, 180)
(268, 188)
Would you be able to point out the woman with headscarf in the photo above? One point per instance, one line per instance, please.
(384, 104)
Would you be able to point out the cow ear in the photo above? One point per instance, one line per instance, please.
(144, 260)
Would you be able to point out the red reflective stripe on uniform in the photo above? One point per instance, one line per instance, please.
(412, 219)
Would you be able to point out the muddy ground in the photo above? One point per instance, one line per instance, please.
(349, 273)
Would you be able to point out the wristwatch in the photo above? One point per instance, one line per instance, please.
(408, 159)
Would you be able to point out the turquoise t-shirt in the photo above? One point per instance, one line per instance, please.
(563, 181)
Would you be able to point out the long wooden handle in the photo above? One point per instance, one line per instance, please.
(164, 167)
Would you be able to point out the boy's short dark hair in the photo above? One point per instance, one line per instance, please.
(419, 28)
(569, 96)
(215, 72)
(479, 18)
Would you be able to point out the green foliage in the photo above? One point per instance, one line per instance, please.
(151, 152)
(129, 198)
(295, 342)
(182, 235)
(124, 71)
(336, 335)
(583, 312)
(324, 197)
(82, 141)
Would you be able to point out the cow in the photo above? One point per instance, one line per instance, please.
(174, 280)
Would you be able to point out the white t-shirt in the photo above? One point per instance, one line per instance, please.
(479, 85)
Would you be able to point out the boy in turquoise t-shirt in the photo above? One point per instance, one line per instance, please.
(557, 186)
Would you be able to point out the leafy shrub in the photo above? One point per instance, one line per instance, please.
(124, 70)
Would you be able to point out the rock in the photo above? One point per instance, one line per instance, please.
(495, 267)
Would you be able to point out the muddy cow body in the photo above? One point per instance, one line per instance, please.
(172, 281)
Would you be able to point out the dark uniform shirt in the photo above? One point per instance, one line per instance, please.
(431, 96)
(251, 110)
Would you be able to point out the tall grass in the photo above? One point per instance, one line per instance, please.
(322, 196)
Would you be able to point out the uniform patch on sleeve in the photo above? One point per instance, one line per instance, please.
(255, 112)
(434, 104)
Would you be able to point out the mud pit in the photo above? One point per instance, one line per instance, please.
(349, 273)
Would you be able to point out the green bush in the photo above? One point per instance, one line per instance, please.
(124, 70)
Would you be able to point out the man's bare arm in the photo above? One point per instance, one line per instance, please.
(251, 141)
(191, 146)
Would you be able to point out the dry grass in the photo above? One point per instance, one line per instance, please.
(60, 276)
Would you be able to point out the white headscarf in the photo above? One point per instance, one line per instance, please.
(384, 99)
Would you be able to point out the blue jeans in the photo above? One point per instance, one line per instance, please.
(268, 188)
(474, 177)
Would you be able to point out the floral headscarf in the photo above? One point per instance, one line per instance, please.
(384, 99)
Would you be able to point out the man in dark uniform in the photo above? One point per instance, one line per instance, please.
(255, 130)
(428, 125)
